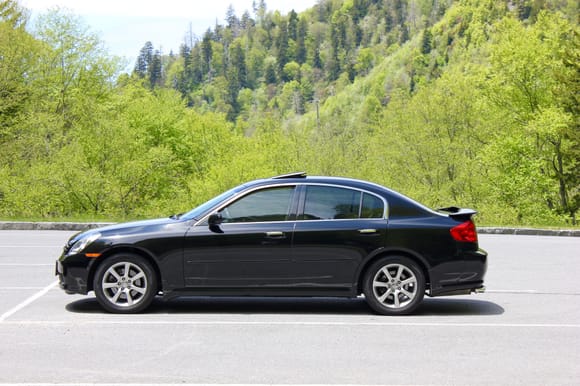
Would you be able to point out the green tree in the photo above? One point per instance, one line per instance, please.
(365, 61)
(270, 73)
(144, 60)
(207, 53)
(333, 62)
(74, 65)
(18, 53)
(293, 25)
(291, 71)
(301, 35)
(155, 70)
(426, 42)
(238, 64)
(12, 14)
(282, 47)
(532, 78)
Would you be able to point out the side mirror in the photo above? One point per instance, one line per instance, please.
(215, 219)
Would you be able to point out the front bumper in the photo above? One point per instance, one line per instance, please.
(73, 274)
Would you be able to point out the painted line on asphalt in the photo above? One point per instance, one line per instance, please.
(25, 265)
(20, 288)
(213, 384)
(129, 322)
(531, 292)
(44, 246)
(28, 301)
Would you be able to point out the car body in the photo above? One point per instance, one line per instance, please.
(289, 235)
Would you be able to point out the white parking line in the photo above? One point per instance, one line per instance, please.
(131, 322)
(28, 301)
(530, 292)
(31, 246)
(25, 265)
(516, 291)
(20, 288)
(197, 384)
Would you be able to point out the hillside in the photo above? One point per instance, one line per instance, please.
(467, 103)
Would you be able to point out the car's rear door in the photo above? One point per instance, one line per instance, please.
(336, 229)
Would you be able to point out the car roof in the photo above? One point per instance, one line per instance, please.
(295, 178)
(394, 198)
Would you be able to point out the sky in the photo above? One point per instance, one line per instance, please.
(125, 25)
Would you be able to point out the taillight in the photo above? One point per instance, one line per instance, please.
(465, 232)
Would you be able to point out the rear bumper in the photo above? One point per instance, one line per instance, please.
(458, 290)
(459, 277)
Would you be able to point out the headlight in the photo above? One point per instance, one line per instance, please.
(82, 243)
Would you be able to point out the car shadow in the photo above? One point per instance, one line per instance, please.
(315, 306)
(458, 306)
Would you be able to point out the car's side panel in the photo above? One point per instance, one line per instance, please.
(162, 243)
(239, 255)
(328, 253)
(427, 236)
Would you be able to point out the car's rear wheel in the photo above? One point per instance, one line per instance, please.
(394, 285)
(125, 284)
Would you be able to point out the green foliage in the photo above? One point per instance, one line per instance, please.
(469, 103)
(18, 53)
(532, 78)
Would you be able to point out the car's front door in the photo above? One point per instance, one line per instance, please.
(250, 248)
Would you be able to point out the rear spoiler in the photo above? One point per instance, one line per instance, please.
(461, 214)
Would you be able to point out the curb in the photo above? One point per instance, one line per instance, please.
(75, 226)
(528, 231)
(49, 226)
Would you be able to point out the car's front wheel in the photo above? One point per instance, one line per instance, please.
(125, 284)
(394, 285)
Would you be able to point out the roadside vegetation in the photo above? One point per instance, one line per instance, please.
(467, 103)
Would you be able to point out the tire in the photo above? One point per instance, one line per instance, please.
(394, 285)
(122, 293)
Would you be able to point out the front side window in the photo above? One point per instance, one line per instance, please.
(263, 205)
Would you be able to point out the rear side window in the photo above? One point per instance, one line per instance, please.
(372, 207)
(333, 203)
(329, 203)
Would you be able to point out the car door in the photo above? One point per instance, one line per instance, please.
(336, 229)
(251, 247)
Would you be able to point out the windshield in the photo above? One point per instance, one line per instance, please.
(203, 208)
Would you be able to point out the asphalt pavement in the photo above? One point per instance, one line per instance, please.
(524, 330)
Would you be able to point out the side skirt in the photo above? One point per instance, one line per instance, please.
(345, 292)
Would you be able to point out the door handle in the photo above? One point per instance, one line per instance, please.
(275, 234)
(367, 231)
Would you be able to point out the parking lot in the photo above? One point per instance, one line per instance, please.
(524, 330)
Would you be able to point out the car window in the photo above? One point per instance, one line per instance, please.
(327, 202)
(200, 210)
(264, 205)
(372, 207)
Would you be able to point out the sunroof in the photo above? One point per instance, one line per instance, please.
(291, 175)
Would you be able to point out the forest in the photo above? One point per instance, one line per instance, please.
(470, 103)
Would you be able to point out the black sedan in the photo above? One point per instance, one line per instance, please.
(290, 235)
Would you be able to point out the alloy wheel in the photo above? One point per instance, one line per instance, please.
(124, 284)
(395, 286)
